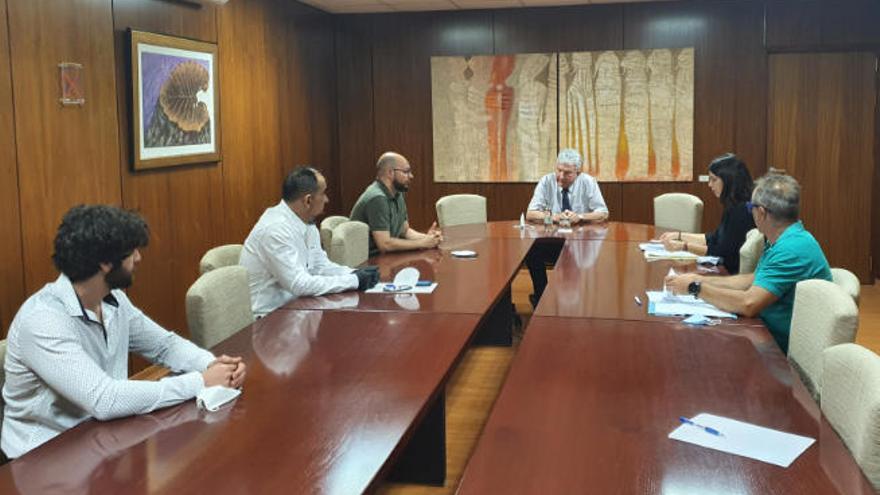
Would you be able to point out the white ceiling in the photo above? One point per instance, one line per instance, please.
(365, 6)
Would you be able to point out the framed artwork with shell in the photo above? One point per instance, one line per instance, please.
(175, 101)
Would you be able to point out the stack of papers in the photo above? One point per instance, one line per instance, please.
(666, 304)
(744, 439)
(656, 251)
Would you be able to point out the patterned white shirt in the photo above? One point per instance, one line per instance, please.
(584, 195)
(284, 260)
(64, 367)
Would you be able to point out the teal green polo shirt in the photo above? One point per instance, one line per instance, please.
(382, 211)
(794, 257)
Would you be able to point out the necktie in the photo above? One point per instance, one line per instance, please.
(566, 204)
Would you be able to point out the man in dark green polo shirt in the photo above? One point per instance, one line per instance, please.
(791, 254)
(382, 206)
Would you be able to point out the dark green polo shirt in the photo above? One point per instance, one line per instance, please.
(794, 257)
(382, 211)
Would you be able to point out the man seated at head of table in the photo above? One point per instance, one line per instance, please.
(791, 254)
(283, 254)
(566, 196)
(382, 206)
(67, 348)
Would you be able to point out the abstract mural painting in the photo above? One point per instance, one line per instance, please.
(175, 101)
(629, 113)
(495, 117)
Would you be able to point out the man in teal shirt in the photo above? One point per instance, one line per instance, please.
(791, 254)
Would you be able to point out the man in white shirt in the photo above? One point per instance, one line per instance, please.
(283, 254)
(567, 196)
(67, 348)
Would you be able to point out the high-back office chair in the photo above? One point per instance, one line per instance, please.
(327, 226)
(678, 211)
(350, 245)
(851, 402)
(218, 304)
(751, 251)
(823, 316)
(847, 281)
(460, 209)
(220, 256)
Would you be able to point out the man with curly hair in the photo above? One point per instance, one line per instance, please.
(67, 348)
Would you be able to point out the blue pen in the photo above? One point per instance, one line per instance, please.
(707, 429)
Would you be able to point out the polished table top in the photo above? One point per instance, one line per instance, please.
(600, 279)
(588, 404)
(328, 402)
(464, 285)
(611, 231)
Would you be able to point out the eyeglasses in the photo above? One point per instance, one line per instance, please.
(751, 206)
(396, 288)
(404, 171)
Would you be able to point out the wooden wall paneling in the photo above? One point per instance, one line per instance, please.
(821, 25)
(821, 130)
(308, 122)
(251, 38)
(183, 205)
(66, 155)
(729, 94)
(11, 263)
(875, 209)
(354, 105)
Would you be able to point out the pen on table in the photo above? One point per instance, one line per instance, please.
(707, 429)
(638, 301)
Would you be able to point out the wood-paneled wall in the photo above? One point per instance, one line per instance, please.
(384, 89)
(11, 266)
(391, 108)
(278, 99)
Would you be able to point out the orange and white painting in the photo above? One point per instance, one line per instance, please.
(495, 117)
(630, 113)
(503, 118)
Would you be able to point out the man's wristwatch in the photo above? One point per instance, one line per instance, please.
(694, 288)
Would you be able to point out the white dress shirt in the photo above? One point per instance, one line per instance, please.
(64, 367)
(284, 260)
(584, 195)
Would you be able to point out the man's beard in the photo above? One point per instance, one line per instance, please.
(118, 278)
(399, 187)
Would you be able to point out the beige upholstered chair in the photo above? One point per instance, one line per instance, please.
(751, 251)
(460, 209)
(851, 402)
(327, 226)
(823, 316)
(678, 211)
(220, 256)
(218, 304)
(847, 281)
(350, 245)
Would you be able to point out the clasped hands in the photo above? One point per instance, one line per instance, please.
(433, 237)
(226, 371)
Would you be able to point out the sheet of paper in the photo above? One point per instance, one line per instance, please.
(652, 246)
(666, 304)
(708, 260)
(744, 439)
(652, 255)
(380, 289)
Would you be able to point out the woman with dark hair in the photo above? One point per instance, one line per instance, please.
(731, 182)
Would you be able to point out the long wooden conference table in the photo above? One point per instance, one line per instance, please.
(347, 390)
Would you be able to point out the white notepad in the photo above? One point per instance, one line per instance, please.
(665, 304)
(744, 439)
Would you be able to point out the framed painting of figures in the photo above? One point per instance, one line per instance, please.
(175, 101)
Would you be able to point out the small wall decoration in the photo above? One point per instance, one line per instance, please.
(70, 75)
(502, 118)
(175, 101)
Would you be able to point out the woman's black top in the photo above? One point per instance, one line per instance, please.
(736, 222)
